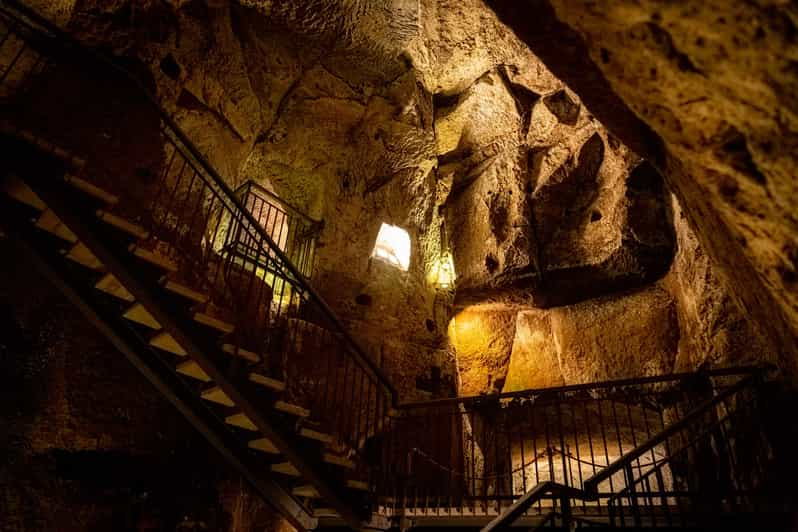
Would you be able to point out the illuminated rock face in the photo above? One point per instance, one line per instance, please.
(706, 90)
(432, 117)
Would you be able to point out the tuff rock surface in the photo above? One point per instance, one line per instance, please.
(614, 183)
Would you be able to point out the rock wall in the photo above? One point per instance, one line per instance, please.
(705, 90)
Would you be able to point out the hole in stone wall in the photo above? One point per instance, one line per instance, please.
(363, 299)
(170, 67)
(491, 263)
(393, 246)
(430, 325)
(595, 216)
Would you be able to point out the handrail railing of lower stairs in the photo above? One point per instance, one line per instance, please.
(192, 216)
(477, 456)
(700, 474)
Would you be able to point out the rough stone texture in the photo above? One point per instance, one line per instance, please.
(534, 361)
(713, 330)
(713, 85)
(482, 337)
(601, 340)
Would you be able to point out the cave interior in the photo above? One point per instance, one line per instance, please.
(398, 264)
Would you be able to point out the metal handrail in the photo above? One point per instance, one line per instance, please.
(45, 28)
(591, 484)
(260, 189)
(589, 490)
(672, 377)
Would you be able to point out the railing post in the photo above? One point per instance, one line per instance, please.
(630, 486)
(565, 512)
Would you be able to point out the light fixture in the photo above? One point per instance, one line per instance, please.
(441, 273)
(393, 246)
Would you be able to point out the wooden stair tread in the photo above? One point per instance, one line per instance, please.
(268, 382)
(294, 410)
(241, 420)
(215, 323)
(49, 222)
(141, 315)
(81, 254)
(183, 290)
(263, 444)
(17, 189)
(123, 224)
(315, 435)
(230, 349)
(191, 369)
(47, 146)
(338, 460)
(285, 468)
(306, 491)
(166, 341)
(92, 190)
(153, 257)
(217, 395)
(357, 485)
(325, 512)
(111, 285)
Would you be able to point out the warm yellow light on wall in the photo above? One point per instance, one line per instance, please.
(393, 246)
(441, 272)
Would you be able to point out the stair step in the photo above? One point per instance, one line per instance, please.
(294, 410)
(191, 369)
(242, 421)
(81, 254)
(263, 444)
(141, 315)
(315, 435)
(92, 190)
(230, 349)
(166, 341)
(21, 192)
(337, 460)
(111, 285)
(306, 491)
(153, 258)
(122, 224)
(268, 382)
(183, 290)
(285, 468)
(215, 323)
(357, 485)
(48, 147)
(325, 512)
(217, 395)
(49, 222)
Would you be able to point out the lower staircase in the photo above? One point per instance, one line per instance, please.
(111, 267)
(202, 295)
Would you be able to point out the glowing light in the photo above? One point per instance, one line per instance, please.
(442, 271)
(393, 246)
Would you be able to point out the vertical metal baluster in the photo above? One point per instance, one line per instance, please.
(588, 419)
(533, 430)
(617, 428)
(357, 399)
(604, 441)
(473, 451)
(161, 185)
(664, 497)
(632, 427)
(523, 458)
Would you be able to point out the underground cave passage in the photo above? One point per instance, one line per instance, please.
(320, 265)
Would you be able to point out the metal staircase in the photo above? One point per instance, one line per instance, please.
(199, 286)
(206, 291)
